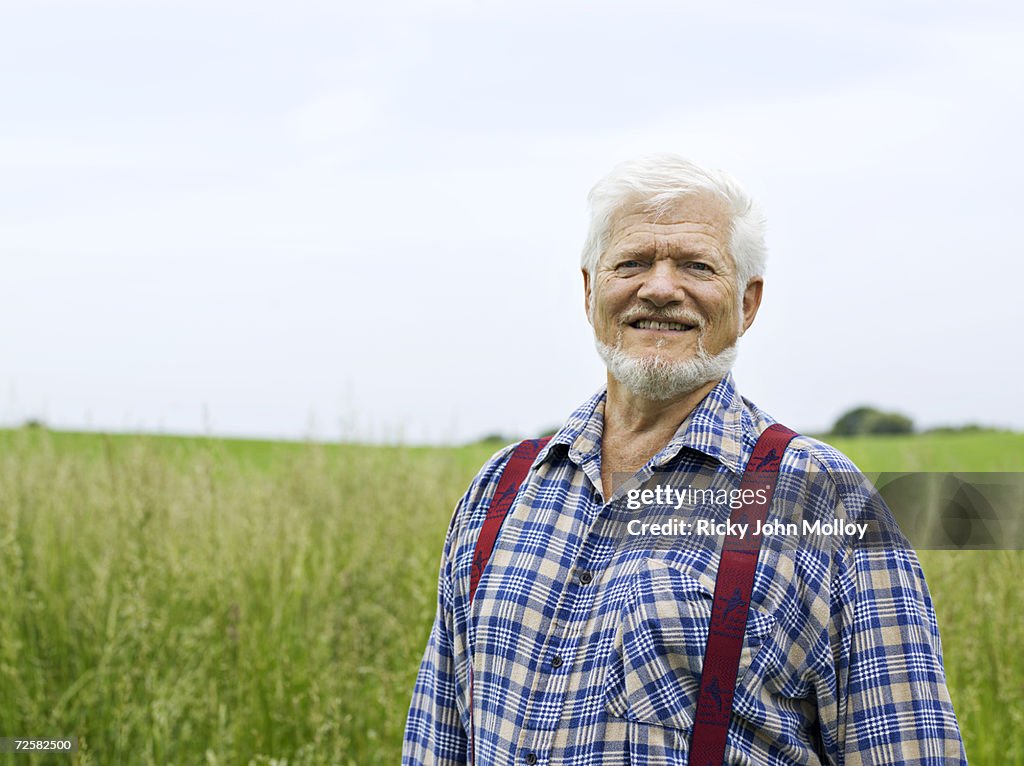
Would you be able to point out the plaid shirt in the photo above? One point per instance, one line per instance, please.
(585, 651)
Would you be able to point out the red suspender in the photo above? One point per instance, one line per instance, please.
(508, 487)
(733, 587)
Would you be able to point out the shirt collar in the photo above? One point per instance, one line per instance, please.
(717, 427)
(581, 434)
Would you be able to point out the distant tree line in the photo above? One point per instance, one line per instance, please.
(865, 420)
(859, 421)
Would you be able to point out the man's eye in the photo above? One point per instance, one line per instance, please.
(698, 266)
(631, 265)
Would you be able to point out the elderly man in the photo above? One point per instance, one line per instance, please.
(572, 638)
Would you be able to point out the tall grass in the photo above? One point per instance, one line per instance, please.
(173, 601)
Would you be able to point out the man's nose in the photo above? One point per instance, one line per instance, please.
(661, 285)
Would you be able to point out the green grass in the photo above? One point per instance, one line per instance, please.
(193, 601)
(986, 451)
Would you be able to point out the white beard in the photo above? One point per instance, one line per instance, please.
(656, 378)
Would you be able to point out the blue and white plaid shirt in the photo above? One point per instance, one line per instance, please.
(585, 651)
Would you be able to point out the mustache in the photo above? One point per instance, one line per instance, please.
(655, 315)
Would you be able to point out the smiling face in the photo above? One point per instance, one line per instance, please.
(665, 288)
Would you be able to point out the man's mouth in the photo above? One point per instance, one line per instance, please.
(650, 324)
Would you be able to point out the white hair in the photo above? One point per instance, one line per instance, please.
(656, 182)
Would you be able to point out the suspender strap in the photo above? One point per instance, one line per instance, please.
(512, 476)
(733, 587)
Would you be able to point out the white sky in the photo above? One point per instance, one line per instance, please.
(364, 219)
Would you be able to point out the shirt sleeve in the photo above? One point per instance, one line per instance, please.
(434, 732)
(897, 707)
(436, 729)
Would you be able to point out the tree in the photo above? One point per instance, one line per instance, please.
(869, 420)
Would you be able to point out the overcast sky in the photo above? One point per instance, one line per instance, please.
(363, 220)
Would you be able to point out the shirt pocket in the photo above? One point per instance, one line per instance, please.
(658, 652)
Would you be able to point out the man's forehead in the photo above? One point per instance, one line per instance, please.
(698, 216)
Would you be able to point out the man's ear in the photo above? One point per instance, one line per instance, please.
(751, 302)
(586, 293)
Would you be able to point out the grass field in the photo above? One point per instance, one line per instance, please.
(193, 601)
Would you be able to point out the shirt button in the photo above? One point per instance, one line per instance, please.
(531, 758)
(556, 661)
(586, 577)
